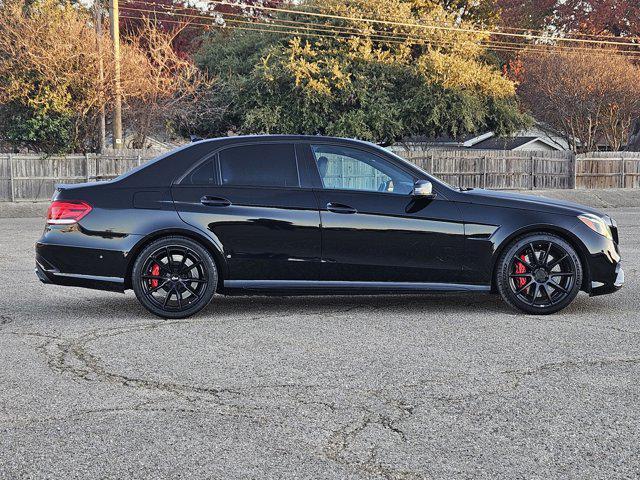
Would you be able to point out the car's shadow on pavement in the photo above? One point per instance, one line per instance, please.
(126, 307)
(256, 306)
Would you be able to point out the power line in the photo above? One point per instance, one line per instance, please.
(415, 25)
(191, 24)
(543, 33)
(380, 36)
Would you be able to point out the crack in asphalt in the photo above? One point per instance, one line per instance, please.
(72, 356)
(555, 367)
(144, 407)
(341, 441)
(582, 324)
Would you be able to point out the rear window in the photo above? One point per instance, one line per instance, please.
(266, 165)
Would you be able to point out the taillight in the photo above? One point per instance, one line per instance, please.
(65, 212)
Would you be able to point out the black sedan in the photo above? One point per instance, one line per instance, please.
(306, 215)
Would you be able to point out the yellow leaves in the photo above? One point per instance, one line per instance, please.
(51, 57)
(417, 34)
(457, 73)
(316, 74)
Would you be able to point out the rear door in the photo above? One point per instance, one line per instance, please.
(374, 229)
(251, 198)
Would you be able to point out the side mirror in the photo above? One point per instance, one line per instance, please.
(423, 189)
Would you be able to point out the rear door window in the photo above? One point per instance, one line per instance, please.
(265, 165)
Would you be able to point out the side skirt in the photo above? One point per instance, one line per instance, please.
(313, 287)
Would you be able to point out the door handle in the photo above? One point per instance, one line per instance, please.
(340, 208)
(214, 201)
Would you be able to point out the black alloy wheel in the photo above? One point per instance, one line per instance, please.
(539, 274)
(174, 277)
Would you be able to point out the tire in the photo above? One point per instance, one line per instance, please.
(539, 274)
(174, 277)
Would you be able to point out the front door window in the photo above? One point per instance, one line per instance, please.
(344, 168)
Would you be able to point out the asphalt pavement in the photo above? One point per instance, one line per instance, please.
(435, 386)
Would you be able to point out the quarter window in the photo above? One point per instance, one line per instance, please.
(202, 175)
(346, 168)
(266, 165)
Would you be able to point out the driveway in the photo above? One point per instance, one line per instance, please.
(457, 386)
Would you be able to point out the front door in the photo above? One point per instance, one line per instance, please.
(374, 229)
(249, 198)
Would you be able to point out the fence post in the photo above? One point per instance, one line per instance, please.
(573, 170)
(622, 172)
(532, 176)
(12, 192)
(86, 167)
(484, 171)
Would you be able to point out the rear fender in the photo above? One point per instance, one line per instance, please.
(211, 243)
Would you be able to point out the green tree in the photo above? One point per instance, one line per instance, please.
(26, 125)
(381, 82)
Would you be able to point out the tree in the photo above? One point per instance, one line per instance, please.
(168, 16)
(366, 82)
(50, 90)
(527, 14)
(590, 96)
(171, 90)
(176, 16)
(481, 12)
(596, 17)
(48, 73)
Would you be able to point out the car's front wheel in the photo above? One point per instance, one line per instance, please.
(174, 277)
(539, 274)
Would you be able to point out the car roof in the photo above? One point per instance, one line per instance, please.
(285, 138)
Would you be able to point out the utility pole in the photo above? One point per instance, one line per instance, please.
(97, 14)
(117, 107)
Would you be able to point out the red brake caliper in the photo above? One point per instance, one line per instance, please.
(520, 268)
(155, 271)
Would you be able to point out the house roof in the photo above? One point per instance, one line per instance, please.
(498, 143)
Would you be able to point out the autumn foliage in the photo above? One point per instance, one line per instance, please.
(386, 81)
(50, 87)
(592, 97)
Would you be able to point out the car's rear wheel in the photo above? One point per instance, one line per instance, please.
(174, 277)
(539, 274)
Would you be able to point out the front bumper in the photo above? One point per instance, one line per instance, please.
(600, 288)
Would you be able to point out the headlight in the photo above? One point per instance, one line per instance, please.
(596, 224)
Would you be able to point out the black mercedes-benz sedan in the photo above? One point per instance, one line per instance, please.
(307, 215)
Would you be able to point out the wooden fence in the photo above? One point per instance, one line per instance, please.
(498, 169)
(33, 177)
(608, 170)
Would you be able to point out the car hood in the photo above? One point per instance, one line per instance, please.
(527, 202)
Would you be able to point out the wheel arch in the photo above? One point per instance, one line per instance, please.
(566, 235)
(215, 250)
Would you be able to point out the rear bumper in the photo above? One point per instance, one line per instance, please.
(68, 256)
(53, 276)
